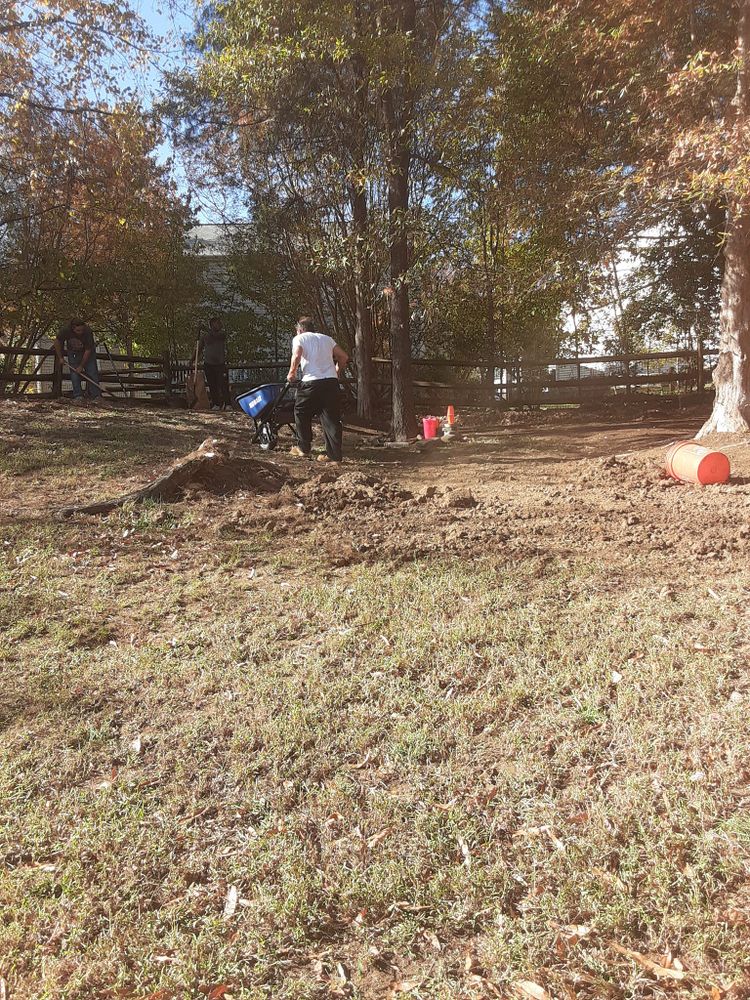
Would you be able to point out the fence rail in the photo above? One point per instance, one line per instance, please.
(130, 375)
(559, 380)
(466, 382)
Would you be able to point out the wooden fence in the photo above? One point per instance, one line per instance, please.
(508, 383)
(562, 380)
(38, 372)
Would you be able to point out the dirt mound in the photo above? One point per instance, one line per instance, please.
(646, 469)
(482, 420)
(333, 492)
(534, 417)
(621, 405)
(624, 471)
(233, 474)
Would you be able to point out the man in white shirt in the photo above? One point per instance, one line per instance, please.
(322, 361)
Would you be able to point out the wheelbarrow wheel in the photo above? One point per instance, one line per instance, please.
(267, 437)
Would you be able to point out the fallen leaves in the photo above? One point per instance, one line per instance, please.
(530, 991)
(569, 935)
(99, 784)
(673, 971)
(476, 976)
(337, 980)
(405, 986)
(541, 831)
(432, 940)
(735, 916)
(465, 852)
(230, 903)
(609, 878)
(220, 992)
(378, 838)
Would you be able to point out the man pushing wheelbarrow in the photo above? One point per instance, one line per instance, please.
(322, 362)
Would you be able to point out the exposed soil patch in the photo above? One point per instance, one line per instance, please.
(624, 471)
(556, 485)
(617, 508)
(236, 474)
(353, 491)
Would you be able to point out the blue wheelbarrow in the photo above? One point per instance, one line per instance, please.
(270, 407)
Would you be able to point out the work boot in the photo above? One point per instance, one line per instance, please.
(297, 452)
(332, 461)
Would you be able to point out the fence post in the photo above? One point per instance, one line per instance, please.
(167, 366)
(57, 376)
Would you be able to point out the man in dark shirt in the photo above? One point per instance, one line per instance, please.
(77, 339)
(213, 344)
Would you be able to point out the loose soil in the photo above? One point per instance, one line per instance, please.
(549, 484)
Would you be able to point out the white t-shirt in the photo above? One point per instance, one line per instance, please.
(317, 356)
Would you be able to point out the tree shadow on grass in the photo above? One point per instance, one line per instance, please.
(40, 439)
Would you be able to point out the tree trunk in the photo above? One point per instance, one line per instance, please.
(399, 129)
(490, 342)
(403, 416)
(363, 323)
(731, 410)
(363, 332)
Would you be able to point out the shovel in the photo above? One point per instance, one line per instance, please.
(84, 376)
(195, 387)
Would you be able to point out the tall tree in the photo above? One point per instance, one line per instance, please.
(732, 375)
(332, 103)
(89, 221)
(681, 74)
(288, 91)
(398, 102)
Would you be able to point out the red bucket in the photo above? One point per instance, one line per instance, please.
(430, 426)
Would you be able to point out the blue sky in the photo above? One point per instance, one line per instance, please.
(169, 21)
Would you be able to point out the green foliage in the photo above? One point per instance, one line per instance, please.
(90, 223)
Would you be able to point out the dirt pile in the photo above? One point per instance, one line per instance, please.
(619, 405)
(624, 471)
(350, 491)
(482, 420)
(234, 474)
(534, 418)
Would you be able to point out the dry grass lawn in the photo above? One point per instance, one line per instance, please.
(462, 723)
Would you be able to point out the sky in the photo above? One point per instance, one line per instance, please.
(169, 21)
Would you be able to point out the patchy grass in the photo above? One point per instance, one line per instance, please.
(250, 771)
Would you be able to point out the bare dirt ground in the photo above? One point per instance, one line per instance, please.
(550, 483)
(461, 719)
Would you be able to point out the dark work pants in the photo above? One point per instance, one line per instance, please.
(216, 378)
(81, 386)
(321, 397)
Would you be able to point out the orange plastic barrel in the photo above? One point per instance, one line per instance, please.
(692, 463)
